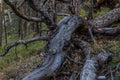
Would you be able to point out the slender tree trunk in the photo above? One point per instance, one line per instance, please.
(19, 27)
(5, 30)
(0, 30)
(25, 28)
(37, 26)
(1, 19)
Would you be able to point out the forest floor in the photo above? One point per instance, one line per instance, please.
(21, 68)
(18, 69)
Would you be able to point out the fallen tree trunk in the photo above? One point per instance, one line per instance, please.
(107, 19)
(55, 53)
(89, 70)
(92, 65)
(92, 62)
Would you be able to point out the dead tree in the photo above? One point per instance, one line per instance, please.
(60, 39)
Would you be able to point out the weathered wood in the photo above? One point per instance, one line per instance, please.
(106, 19)
(55, 53)
(89, 70)
(91, 65)
(108, 31)
(92, 62)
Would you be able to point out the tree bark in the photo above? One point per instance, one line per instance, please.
(93, 62)
(1, 19)
(107, 19)
(1, 29)
(55, 52)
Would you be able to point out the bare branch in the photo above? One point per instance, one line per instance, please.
(117, 67)
(108, 31)
(20, 3)
(111, 73)
(72, 60)
(34, 6)
(23, 42)
(63, 14)
(22, 15)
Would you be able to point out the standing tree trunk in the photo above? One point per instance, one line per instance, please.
(5, 29)
(1, 19)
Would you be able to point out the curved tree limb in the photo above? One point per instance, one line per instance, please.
(55, 51)
(20, 3)
(21, 42)
(17, 12)
(36, 8)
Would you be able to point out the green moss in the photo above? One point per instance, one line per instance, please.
(83, 12)
(59, 18)
(44, 27)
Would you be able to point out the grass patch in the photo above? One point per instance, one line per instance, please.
(101, 12)
(21, 52)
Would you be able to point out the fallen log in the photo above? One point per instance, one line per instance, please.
(89, 70)
(92, 65)
(92, 62)
(55, 53)
(106, 19)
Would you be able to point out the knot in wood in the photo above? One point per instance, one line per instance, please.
(52, 51)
